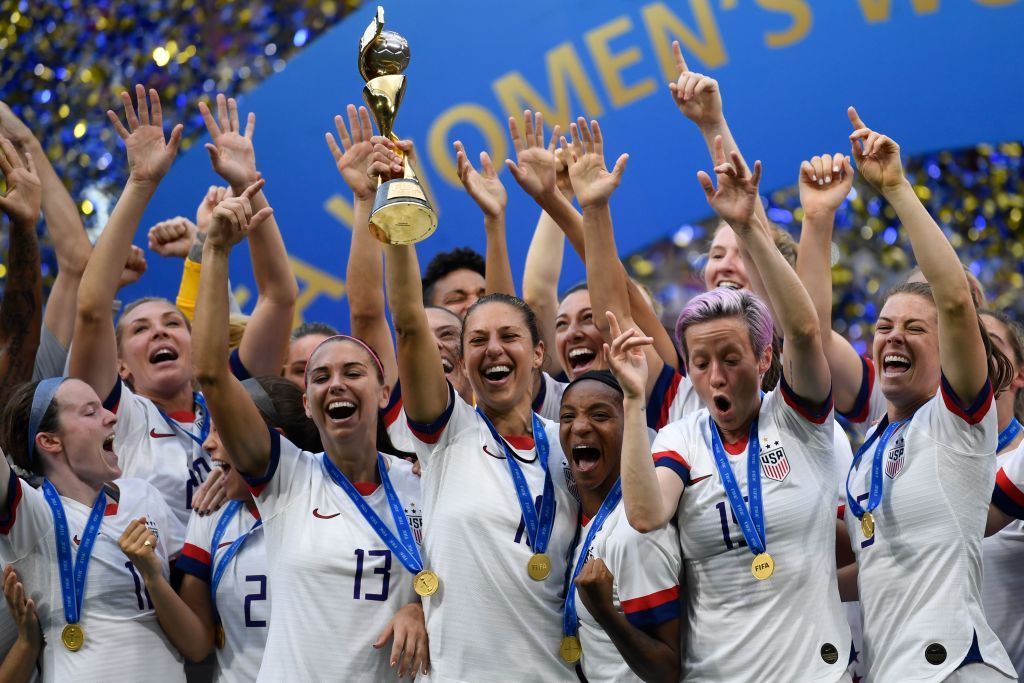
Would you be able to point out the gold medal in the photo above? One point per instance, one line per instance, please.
(425, 583)
(539, 566)
(867, 524)
(218, 637)
(73, 637)
(762, 567)
(570, 649)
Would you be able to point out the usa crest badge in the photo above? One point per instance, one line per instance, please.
(895, 459)
(774, 463)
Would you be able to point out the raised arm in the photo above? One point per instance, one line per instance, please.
(489, 194)
(233, 411)
(805, 367)
(21, 310)
(264, 345)
(93, 351)
(63, 224)
(961, 349)
(364, 275)
(424, 386)
(824, 183)
(650, 497)
(541, 272)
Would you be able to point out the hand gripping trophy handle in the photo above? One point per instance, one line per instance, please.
(401, 214)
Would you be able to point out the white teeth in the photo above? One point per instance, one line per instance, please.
(498, 368)
(575, 353)
(729, 283)
(108, 443)
(340, 404)
(447, 365)
(896, 358)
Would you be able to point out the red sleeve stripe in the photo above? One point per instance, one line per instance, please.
(675, 462)
(971, 414)
(653, 609)
(862, 406)
(196, 553)
(662, 395)
(807, 410)
(394, 407)
(113, 400)
(1006, 486)
(430, 433)
(259, 483)
(194, 561)
(10, 513)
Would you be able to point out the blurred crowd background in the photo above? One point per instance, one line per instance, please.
(63, 61)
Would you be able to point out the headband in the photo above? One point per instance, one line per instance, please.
(603, 376)
(346, 337)
(262, 400)
(42, 397)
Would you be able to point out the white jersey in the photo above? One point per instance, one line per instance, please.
(243, 594)
(1009, 492)
(548, 401)
(919, 576)
(870, 405)
(490, 620)
(160, 450)
(395, 422)
(1003, 552)
(791, 626)
(122, 636)
(672, 398)
(336, 584)
(646, 570)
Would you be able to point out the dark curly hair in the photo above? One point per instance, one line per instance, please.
(462, 258)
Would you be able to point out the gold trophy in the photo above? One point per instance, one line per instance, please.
(401, 214)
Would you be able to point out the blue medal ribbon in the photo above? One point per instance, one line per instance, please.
(73, 573)
(538, 523)
(570, 622)
(1009, 434)
(220, 567)
(204, 426)
(404, 545)
(751, 520)
(875, 495)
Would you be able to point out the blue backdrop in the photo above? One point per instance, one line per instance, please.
(933, 75)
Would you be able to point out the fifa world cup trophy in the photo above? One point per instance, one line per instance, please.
(401, 214)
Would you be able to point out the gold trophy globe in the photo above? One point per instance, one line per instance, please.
(401, 214)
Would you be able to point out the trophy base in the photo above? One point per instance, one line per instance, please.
(401, 213)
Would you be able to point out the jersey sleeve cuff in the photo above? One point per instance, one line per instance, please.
(816, 414)
(394, 406)
(113, 399)
(238, 368)
(258, 483)
(664, 392)
(653, 609)
(430, 433)
(194, 561)
(675, 462)
(10, 510)
(1007, 497)
(971, 413)
(862, 404)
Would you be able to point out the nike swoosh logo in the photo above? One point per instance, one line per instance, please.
(224, 544)
(153, 433)
(316, 513)
(699, 479)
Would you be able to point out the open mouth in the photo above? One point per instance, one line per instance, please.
(722, 404)
(497, 373)
(447, 365)
(108, 444)
(340, 410)
(163, 355)
(731, 284)
(581, 357)
(585, 457)
(895, 364)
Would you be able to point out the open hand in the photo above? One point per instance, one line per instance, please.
(697, 96)
(138, 543)
(626, 358)
(231, 153)
(23, 609)
(211, 494)
(233, 218)
(877, 156)
(825, 182)
(410, 649)
(355, 155)
(535, 167)
(591, 180)
(483, 186)
(149, 154)
(24, 191)
(736, 196)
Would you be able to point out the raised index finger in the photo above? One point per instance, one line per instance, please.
(677, 54)
(855, 118)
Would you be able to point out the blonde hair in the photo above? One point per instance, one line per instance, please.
(236, 328)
